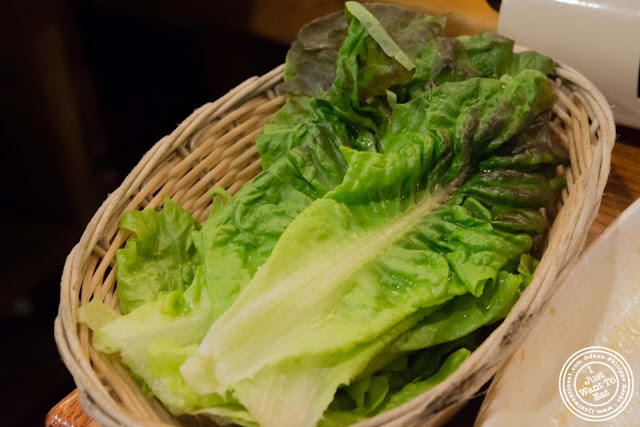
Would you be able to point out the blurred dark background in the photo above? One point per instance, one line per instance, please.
(86, 88)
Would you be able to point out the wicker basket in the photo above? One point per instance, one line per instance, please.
(215, 146)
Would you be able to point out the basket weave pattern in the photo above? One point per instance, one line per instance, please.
(215, 146)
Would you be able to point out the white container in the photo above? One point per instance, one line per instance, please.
(597, 304)
(599, 38)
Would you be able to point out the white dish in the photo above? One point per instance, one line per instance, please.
(597, 304)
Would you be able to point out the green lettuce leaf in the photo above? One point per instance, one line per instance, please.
(239, 238)
(307, 386)
(369, 392)
(528, 265)
(302, 121)
(155, 339)
(415, 389)
(300, 151)
(463, 315)
(493, 55)
(162, 257)
(96, 314)
(369, 62)
(402, 380)
(392, 242)
(340, 418)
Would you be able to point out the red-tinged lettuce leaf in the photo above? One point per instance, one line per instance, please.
(348, 114)
(311, 61)
(369, 63)
(493, 55)
(529, 149)
(310, 64)
(438, 59)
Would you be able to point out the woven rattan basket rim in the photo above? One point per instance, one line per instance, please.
(567, 237)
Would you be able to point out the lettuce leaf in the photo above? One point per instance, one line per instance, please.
(239, 238)
(369, 62)
(306, 384)
(304, 122)
(393, 239)
(531, 149)
(463, 315)
(493, 55)
(300, 151)
(311, 62)
(404, 379)
(415, 389)
(155, 339)
(351, 112)
(162, 256)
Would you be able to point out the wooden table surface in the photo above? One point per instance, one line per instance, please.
(622, 189)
